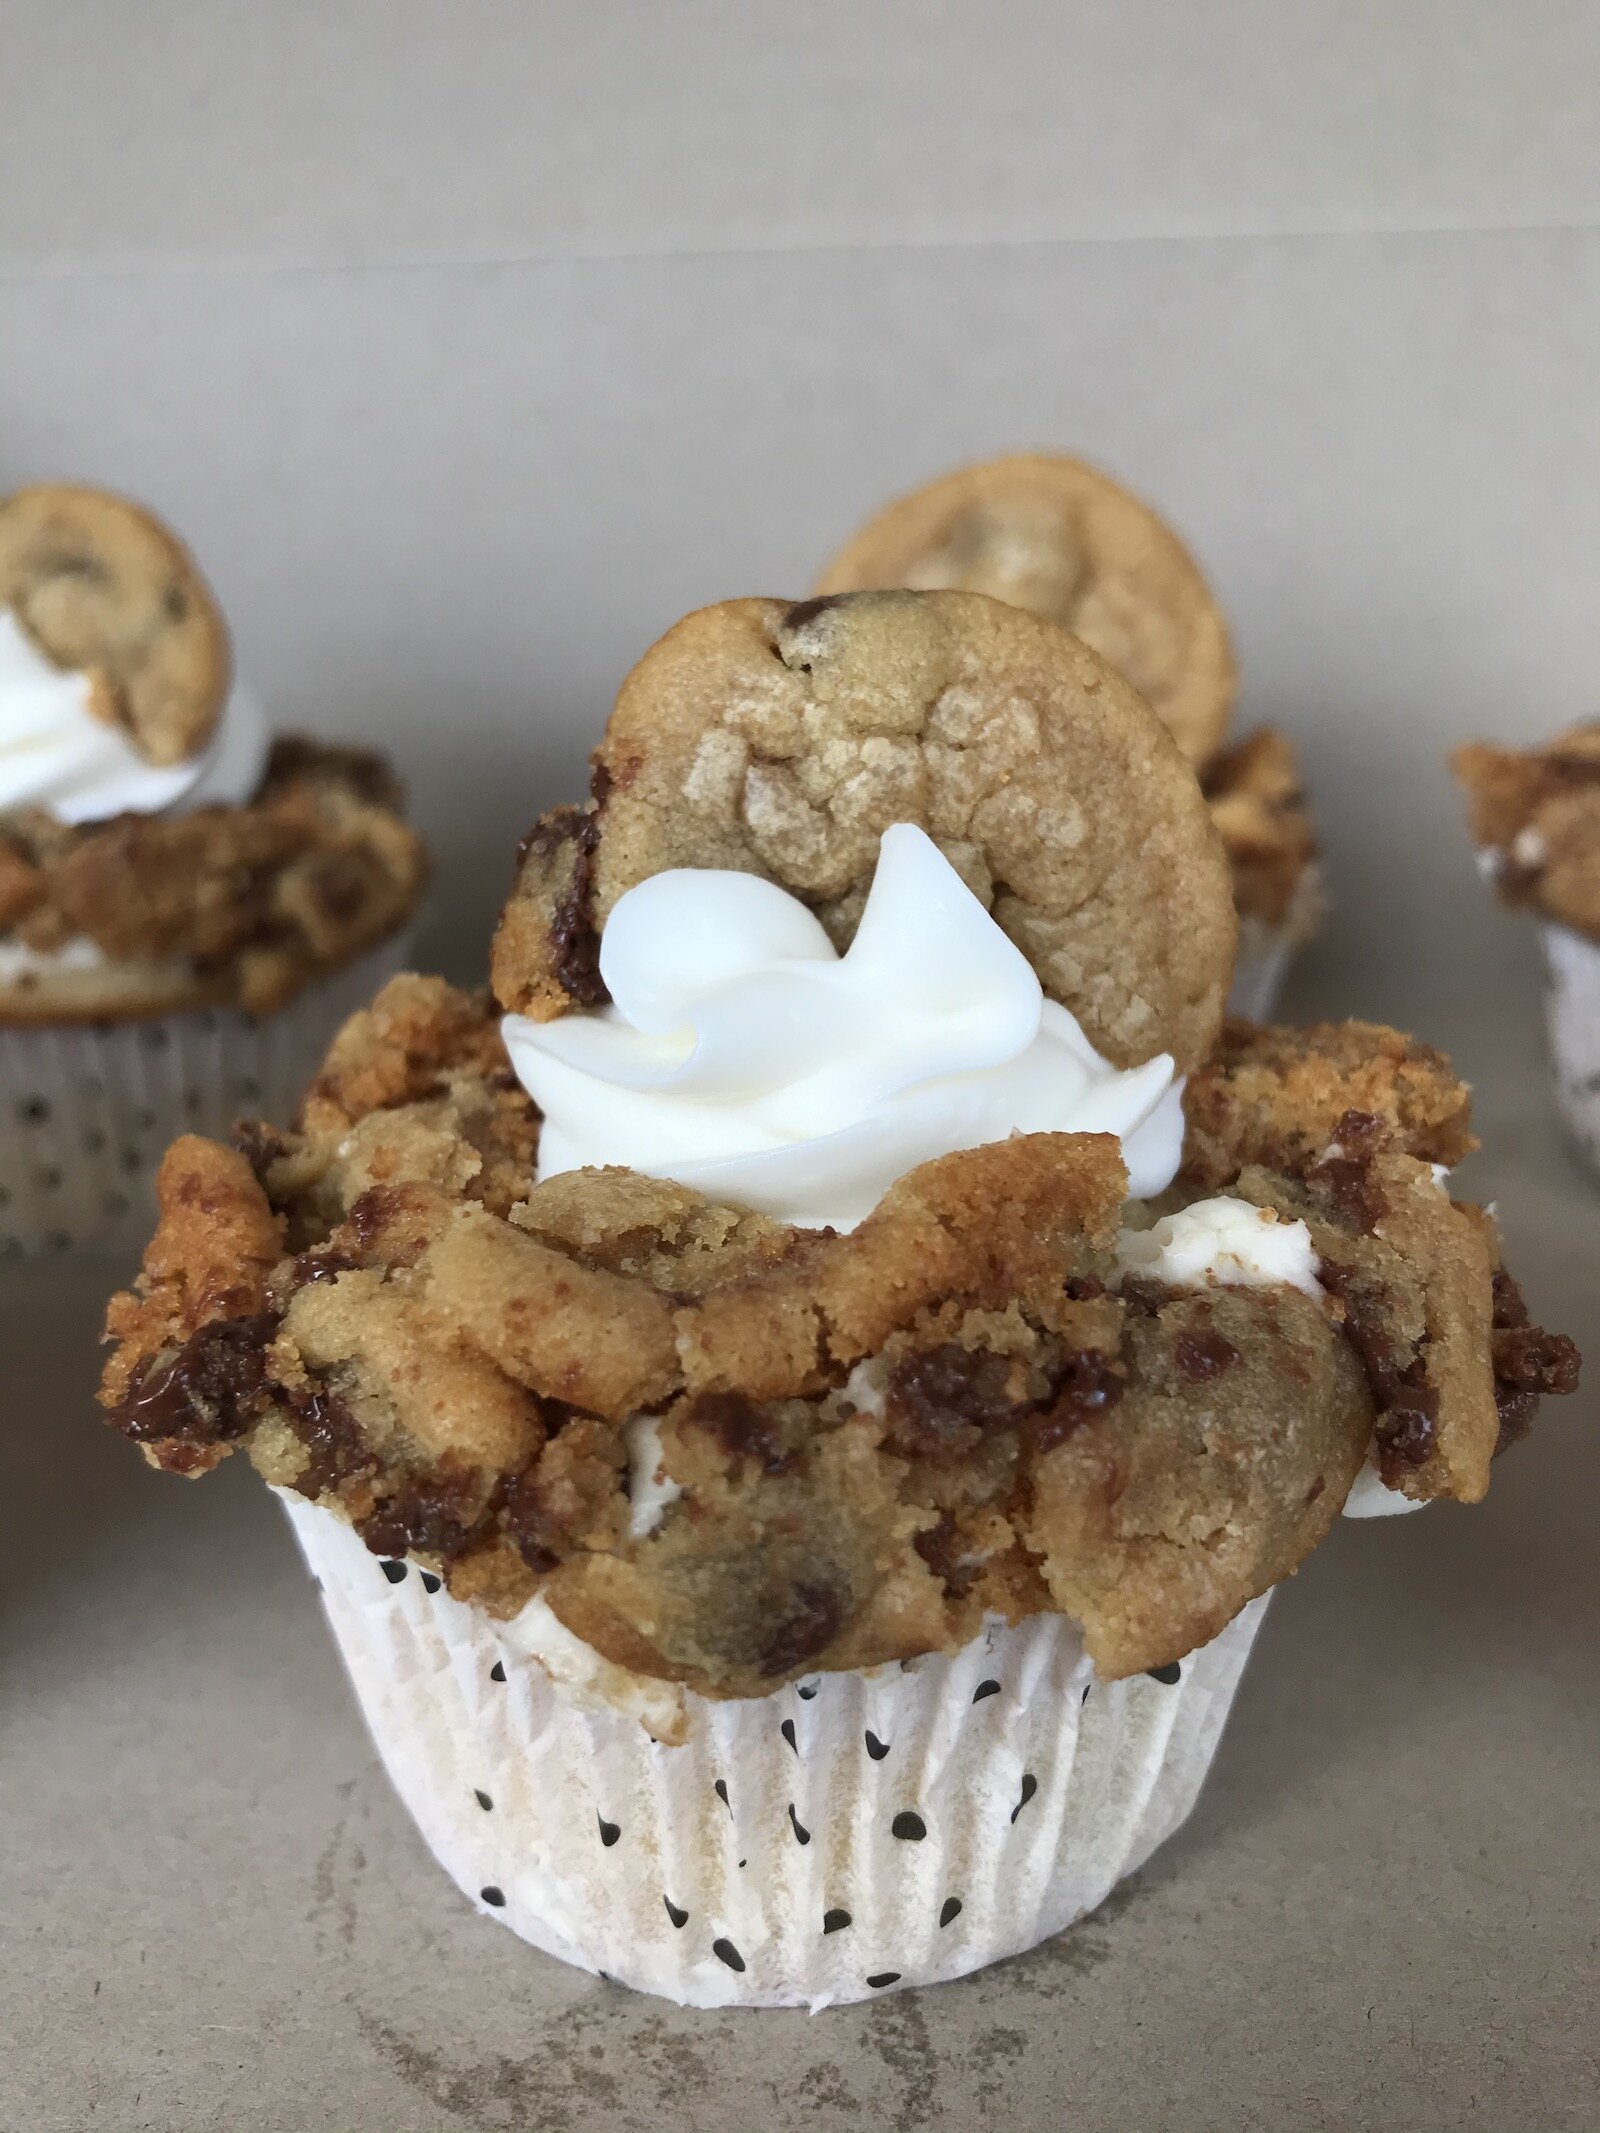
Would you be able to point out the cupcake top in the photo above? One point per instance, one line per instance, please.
(817, 1247)
(1535, 817)
(157, 850)
(1055, 536)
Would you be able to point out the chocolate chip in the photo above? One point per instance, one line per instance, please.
(810, 1625)
(744, 1431)
(910, 1827)
(804, 611)
(942, 1402)
(1089, 1386)
(206, 1393)
(1200, 1354)
(939, 1548)
(1344, 1179)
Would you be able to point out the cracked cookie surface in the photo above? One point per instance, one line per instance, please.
(783, 740)
(962, 1407)
(1537, 812)
(103, 588)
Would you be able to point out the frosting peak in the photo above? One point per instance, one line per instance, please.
(58, 754)
(744, 1057)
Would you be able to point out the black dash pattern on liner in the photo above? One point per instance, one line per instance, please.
(394, 1572)
(880, 1978)
(909, 1826)
(835, 1921)
(726, 1952)
(1030, 1785)
(876, 1748)
(498, 1671)
(1168, 1675)
(801, 1833)
(482, 1799)
(985, 1688)
(720, 1788)
(493, 1895)
(950, 1908)
(430, 1583)
(787, 1730)
(609, 1831)
(679, 1918)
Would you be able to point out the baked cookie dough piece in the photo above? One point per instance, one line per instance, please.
(855, 1446)
(783, 740)
(1050, 534)
(1535, 813)
(103, 588)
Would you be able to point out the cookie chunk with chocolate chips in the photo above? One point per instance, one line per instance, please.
(782, 741)
(104, 589)
(1535, 813)
(872, 1440)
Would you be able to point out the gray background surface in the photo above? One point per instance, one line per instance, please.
(470, 345)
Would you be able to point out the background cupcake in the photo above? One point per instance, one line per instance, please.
(187, 906)
(1058, 537)
(1535, 818)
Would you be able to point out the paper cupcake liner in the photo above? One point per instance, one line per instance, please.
(1572, 1024)
(843, 1837)
(1262, 964)
(87, 1110)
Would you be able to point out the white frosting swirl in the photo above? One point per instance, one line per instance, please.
(744, 1057)
(57, 755)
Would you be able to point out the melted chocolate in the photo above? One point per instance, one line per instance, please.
(742, 1429)
(1201, 1354)
(206, 1392)
(940, 1402)
(808, 1626)
(1090, 1387)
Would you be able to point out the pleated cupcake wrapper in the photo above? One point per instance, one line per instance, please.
(1572, 1023)
(841, 1838)
(87, 1111)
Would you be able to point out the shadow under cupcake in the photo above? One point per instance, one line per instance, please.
(188, 907)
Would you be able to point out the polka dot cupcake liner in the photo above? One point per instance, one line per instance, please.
(847, 1836)
(1572, 1025)
(87, 1111)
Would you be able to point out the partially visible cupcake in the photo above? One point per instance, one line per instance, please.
(1535, 818)
(1061, 539)
(188, 907)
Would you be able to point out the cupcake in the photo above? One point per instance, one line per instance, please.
(188, 907)
(796, 1402)
(1534, 815)
(1061, 539)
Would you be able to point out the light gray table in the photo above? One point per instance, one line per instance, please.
(214, 1915)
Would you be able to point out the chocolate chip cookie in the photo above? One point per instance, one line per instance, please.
(1063, 540)
(104, 589)
(783, 740)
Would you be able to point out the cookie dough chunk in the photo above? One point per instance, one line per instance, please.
(1063, 540)
(105, 589)
(783, 740)
(1537, 816)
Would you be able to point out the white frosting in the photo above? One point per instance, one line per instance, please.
(536, 1633)
(744, 1057)
(1227, 1241)
(16, 961)
(649, 1490)
(57, 755)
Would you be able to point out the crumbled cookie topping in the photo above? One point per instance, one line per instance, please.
(1536, 813)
